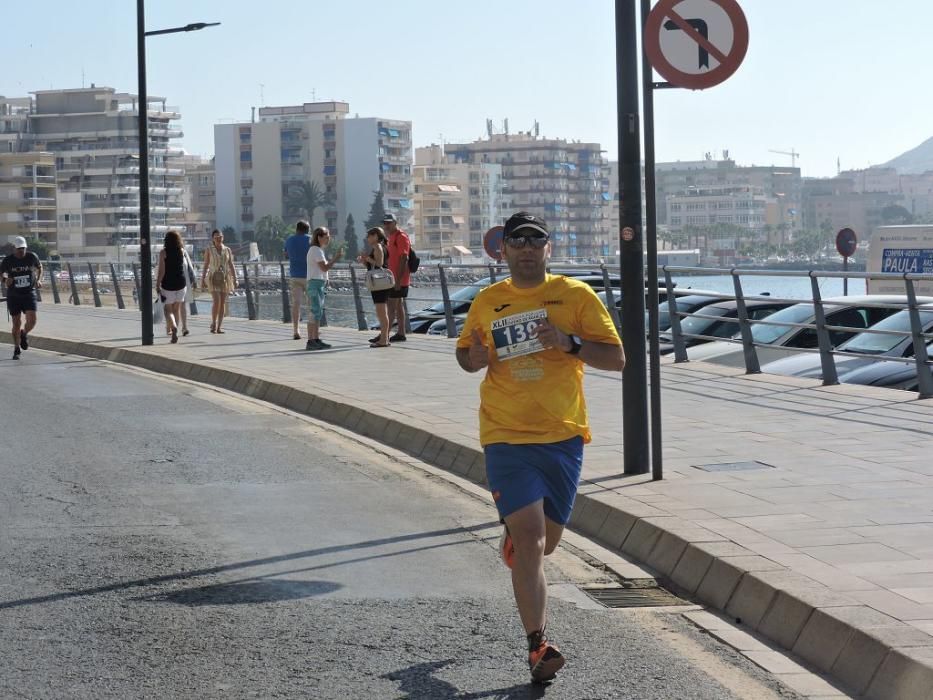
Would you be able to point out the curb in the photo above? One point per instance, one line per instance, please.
(871, 653)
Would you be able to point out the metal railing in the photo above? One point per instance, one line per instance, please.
(825, 347)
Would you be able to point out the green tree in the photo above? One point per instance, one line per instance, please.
(896, 214)
(40, 248)
(349, 236)
(377, 211)
(305, 198)
(271, 232)
(230, 235)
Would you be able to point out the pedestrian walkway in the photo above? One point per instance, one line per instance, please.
(804, 511)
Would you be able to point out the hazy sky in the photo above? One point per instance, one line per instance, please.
(829, 78)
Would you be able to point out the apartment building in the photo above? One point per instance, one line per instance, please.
(199, 200)
(27, 196)
(782, 184)
(455, 203)
(558, 180)
(259, 165)
(741, 206)
(93, 135)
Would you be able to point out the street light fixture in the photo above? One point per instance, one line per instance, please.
(145, 254)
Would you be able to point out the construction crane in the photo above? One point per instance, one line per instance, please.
(792, 153)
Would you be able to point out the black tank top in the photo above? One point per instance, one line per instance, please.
(173, 278)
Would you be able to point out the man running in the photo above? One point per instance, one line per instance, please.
(22, 275)
(533, 333)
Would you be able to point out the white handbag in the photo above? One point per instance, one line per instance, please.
(379, 279)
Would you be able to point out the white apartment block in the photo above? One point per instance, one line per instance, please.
(455, 203)
(560, 181)
(259, 163)
(93, 135)
(742, 206)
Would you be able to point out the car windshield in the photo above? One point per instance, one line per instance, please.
(664, 315)
(700, 326)
(462, 295)
(882, 343)
(766, 333)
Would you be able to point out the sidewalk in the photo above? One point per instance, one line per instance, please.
(827, 550)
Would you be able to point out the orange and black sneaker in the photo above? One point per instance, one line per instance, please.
(506, 548)
(544, 659)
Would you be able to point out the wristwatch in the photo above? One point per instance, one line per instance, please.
(575, 345)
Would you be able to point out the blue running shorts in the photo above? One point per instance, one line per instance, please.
(522, 474)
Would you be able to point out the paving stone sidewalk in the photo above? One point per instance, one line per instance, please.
(825, 548)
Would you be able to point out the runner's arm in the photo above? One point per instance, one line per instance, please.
(39, 276)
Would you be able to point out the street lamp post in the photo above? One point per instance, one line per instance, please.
(145, 250)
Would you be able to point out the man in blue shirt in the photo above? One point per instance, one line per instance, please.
(296, 252)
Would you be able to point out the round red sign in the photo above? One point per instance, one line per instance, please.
(846, 242)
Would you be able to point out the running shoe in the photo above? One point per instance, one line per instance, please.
(321, 345)
(23, 343)
(506, 548)
(545, 661)
(397, 338)
(313, 345)
(15, 353)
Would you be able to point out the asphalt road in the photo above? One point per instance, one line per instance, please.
(159, 539)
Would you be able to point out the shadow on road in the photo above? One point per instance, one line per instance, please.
(246, 592)
(184, 575)
(418, 683)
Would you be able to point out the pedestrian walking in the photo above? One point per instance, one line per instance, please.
(170, 280)
(318, 268)
(533, 333)
(219, 274)
(378, 257)
(21, 271)
(399, 249)
(296, 252)
(192, 281)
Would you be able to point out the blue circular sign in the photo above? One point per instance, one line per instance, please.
(492, 242)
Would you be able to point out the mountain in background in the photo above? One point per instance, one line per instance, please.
(915, 161)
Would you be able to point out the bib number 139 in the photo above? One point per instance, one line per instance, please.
(517, 335)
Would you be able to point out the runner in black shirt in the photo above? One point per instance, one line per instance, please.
(22, 276)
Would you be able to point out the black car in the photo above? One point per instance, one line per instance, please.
(718, 320)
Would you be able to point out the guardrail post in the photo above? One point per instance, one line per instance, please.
(286, 291)
(52, 275)
(924, 375)
(357, 301)
(448, 307)
(828, 362)
(75, 299)
(250, 308)
(257, 292)
(752, 366)
(680, 351)
(136, 281)
(116, 287)
(610, 299)
(407, 316)
(492, 274)
(94, 291)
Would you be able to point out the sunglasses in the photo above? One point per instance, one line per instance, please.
(519, 242)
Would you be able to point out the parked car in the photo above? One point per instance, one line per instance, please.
(787, 330)
(688, 302)
(718, 320)
(865, 348)
(890, 374)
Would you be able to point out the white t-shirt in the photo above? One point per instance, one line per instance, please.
(316, 255)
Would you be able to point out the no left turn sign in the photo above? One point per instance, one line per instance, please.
(696, 44)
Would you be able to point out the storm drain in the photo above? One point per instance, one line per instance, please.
(733, 466)
(621, 597)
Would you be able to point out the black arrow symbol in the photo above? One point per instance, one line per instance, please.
(702, 28)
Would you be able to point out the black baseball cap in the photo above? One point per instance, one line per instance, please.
(523, 220)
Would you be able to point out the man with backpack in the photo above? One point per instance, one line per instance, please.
(399, 253)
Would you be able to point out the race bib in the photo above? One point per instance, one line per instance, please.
(517, 335)
(22, 281)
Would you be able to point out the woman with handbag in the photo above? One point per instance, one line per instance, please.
(170, 280)
(377, 259)
(220, 276)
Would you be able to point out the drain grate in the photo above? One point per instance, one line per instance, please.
(619, 597)
(733, 466)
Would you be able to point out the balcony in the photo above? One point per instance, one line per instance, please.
(38, 203)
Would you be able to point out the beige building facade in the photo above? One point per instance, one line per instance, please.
(455, 203)
(28, 203)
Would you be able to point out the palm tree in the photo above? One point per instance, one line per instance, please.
(307, 197)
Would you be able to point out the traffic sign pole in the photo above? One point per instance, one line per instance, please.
(651, 241)
(631, 262)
